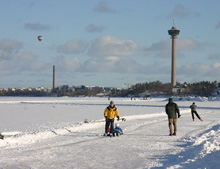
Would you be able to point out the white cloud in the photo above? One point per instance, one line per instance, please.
(13, 61)
(24, 56)
(112, 46)
(218, 25)
(67, 63)
(188, 44)
(216, 65)
(4, 55)
(8, 47)
(200, 72)
(94, 29)
(181, 44)
(98, 65)
(102, 7)
(112, 65)
(112, 58)
(73, 47)
(162, 45)
(128, 65)
(32, 3)
(181, 12)
(5, 68)
(36, 26)
(215, 56)
(38, 66)
(26, 61)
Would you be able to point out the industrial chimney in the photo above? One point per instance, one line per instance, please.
(53, 77)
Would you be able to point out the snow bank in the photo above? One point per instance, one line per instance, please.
(194, 99)
(200, 152)
(16, 138)
(210, 142)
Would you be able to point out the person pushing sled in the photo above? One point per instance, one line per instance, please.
(110, 112)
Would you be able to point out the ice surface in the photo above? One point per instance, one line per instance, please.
(49, 132)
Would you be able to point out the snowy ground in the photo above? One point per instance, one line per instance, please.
(50, 133)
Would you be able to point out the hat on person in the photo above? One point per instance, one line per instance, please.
(117, 125)
(170, 99)
(112, 102)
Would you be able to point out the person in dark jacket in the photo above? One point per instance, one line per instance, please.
(193, 111)
(172, 110)
(1, 136)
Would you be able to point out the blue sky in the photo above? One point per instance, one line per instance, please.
(107, 43)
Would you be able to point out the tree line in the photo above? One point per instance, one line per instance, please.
(203, 88)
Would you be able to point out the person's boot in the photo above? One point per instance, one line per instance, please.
(170, 134)
(174, 134)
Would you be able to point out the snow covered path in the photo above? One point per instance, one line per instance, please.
(59, 142)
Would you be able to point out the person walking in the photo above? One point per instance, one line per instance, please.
(193, 111)
(110, 112)
(1, 136)
(172, 110)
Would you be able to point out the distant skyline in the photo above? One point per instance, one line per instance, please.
(107, 43)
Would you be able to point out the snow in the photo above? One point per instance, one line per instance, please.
(49, 132)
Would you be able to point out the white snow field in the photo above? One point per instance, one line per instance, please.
(50, 133)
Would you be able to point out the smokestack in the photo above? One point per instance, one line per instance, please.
(53, 77)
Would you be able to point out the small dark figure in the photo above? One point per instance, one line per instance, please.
(118, 131)
(1, 136)
(171, 110)
(193, 111)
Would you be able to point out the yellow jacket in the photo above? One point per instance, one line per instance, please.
(111, 112)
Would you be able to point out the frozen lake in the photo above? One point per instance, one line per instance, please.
(49, 132)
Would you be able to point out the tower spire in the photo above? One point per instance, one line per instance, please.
(173, 32)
